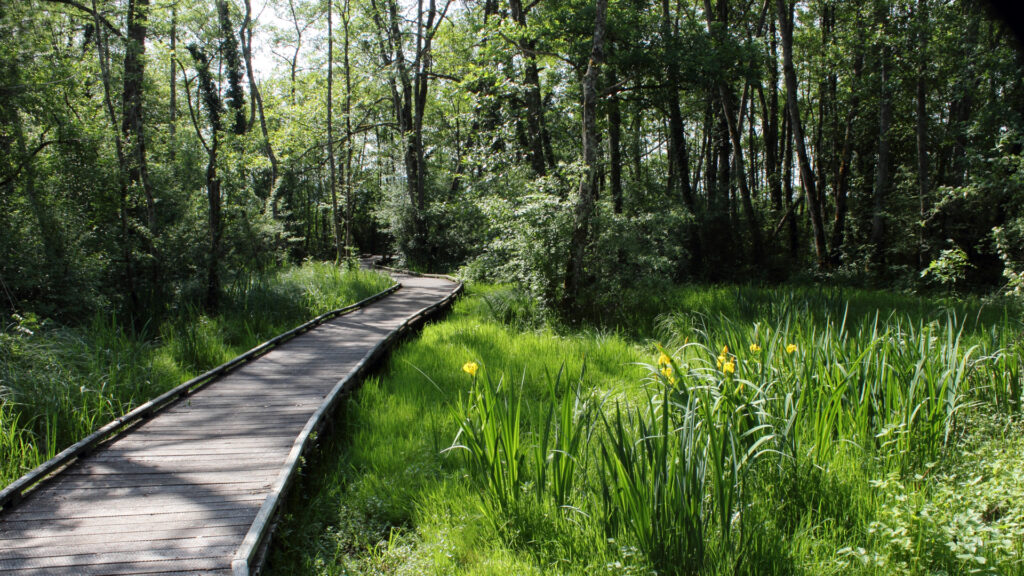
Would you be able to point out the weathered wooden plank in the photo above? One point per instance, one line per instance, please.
(61, 558)
(192, 565)
(46, 544)
(83, 516)
(192, 445)
(255, 398)
(202, 408)
(225, 423)
(150, 480)
(239, 466)
(142, 453)
(111, 546)
(73, 529)
(140, 505)
(90, 490)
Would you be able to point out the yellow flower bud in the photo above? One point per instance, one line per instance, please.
(754, 348)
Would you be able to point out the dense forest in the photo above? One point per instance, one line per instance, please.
(744, 278)
(587, 150)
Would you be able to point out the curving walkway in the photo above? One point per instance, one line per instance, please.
(192, 489)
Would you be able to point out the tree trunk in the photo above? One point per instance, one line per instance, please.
(534, 109)
(330, 132)
(679, 164)
(172, 124)
(349, 204)
(132, 120)
(103, 53)
(962, 107)
(213, 109)
(213, 198)
(615, 144)
(294, 64)
(772, 127)
(734, 127)
(587, 200)
(922, 126)
(636, 145)
(843, 176)
(807, 180)
(787, 179)
(741, 176)
(882, 177)
(256, 100)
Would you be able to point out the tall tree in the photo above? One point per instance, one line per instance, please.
(921, 93)
(534, 109)
(211, 100)
(679, 164)
(132, 122)
(784, 11)
(586, 201)
(333, 182)
(882, 177)
(614, 142)
(256, 105)
(106, 77)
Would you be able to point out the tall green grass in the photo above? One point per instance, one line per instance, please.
(777, 432)
(59, 383)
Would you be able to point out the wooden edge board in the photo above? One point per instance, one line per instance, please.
(246, 561)
(14, 492)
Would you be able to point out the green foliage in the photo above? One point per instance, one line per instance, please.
(531, 233)
(949, 268)
(634, 257)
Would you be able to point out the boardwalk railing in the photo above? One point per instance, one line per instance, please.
(249, 556)
(17, 490)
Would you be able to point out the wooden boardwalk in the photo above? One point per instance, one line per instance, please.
(179, 493)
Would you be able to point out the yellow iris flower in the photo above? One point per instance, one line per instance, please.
(791, 348)
(669, 374)
(729, 367)
(470, 368)
(754, 348)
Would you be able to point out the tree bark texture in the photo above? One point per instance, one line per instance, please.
(807, 180)
(586, 201)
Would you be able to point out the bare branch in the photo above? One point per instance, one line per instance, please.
(28, 159)
(191, 109)
(92, 13)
